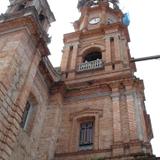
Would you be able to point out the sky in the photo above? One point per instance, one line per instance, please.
(144, 32)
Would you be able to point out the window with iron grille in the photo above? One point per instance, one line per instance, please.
(86, 134)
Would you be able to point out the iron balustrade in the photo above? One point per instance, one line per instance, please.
(91, 65)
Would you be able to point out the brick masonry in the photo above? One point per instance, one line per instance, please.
(112, 96)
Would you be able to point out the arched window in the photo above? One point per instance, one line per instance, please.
(92, 56)
(91, 60)
(29, 113)
(25, 115)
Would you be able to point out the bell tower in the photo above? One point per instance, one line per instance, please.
(45, 16)
(104, 111)
(99, 45)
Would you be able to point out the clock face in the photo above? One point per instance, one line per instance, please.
(94, 20)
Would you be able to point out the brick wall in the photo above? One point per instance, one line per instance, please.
(27, 140)
(116, 110)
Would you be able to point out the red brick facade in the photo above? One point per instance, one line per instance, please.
(96, 84)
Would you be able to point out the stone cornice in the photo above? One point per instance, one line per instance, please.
(88, 112)
(101, 88)
(103, 28)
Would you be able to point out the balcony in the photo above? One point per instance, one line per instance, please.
(91, 65)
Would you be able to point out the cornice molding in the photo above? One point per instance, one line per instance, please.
(98, 31)
(87, 112)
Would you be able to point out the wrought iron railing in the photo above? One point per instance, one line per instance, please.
(96, 64)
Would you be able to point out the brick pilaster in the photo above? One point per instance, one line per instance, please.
(73, 61)
(108, 54)
(74, 56)
(65, 58)
(117, 130)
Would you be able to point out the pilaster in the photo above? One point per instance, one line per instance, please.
(73, 61)
(132, 117)
(108, 60)
(118, 56)
(65, 58)
(74, 56)
(124, 51)
(117, 130)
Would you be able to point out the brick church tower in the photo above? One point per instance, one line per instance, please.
(104, 115)
(92, 108)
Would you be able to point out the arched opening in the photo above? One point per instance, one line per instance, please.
(28, 114)
(92, 56)
(41, 18)
(91, 59)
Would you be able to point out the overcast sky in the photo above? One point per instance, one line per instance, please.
(145, 34)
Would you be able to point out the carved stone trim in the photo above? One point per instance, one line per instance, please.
(86, 113)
